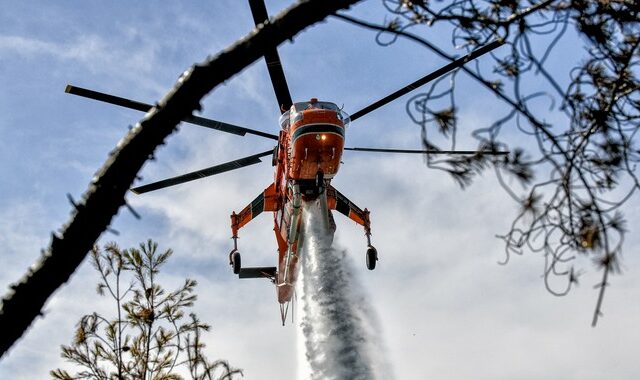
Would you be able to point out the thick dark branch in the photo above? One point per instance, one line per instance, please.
(106, 192)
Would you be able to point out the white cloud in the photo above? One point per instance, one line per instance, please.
(93, 53)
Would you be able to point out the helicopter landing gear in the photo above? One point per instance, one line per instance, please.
(372, 254)
(235, 261)
(371, 258)
(234, 257)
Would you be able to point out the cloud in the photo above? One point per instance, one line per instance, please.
(128, 62)
(24, 229)
(448, 309)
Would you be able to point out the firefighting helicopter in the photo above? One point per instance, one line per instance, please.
(306, 158)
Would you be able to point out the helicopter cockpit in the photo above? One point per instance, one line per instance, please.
(315, 104)
(284, 120)
(296, 109)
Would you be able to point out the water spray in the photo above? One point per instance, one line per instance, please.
(339, 329)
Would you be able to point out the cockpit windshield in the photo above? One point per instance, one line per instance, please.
(295, 113)
(301, 106)
(284, 120)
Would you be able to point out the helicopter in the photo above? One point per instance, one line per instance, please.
(307, 156)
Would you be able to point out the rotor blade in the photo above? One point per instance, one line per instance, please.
(428, 78)
(128, 103)
(274, 65)
(419, 151)
(217, 169)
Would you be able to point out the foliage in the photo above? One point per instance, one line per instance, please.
(576, 159)
(149, 337)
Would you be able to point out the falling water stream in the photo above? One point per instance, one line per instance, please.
(338, 328)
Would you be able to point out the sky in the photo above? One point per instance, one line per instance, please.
(446, 308)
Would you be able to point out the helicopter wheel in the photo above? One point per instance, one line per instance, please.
(372, 257)
(236, 262)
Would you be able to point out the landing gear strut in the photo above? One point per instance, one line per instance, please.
(372, 253)
(234, 257)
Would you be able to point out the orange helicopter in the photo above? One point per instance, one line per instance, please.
(306, 158)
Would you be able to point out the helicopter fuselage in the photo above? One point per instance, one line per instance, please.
(310, 147)
(314, 139)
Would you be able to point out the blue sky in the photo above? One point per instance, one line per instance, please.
(447, 309)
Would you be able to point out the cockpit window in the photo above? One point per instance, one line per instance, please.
(346, 119)
(301, 106)
(284, 120)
